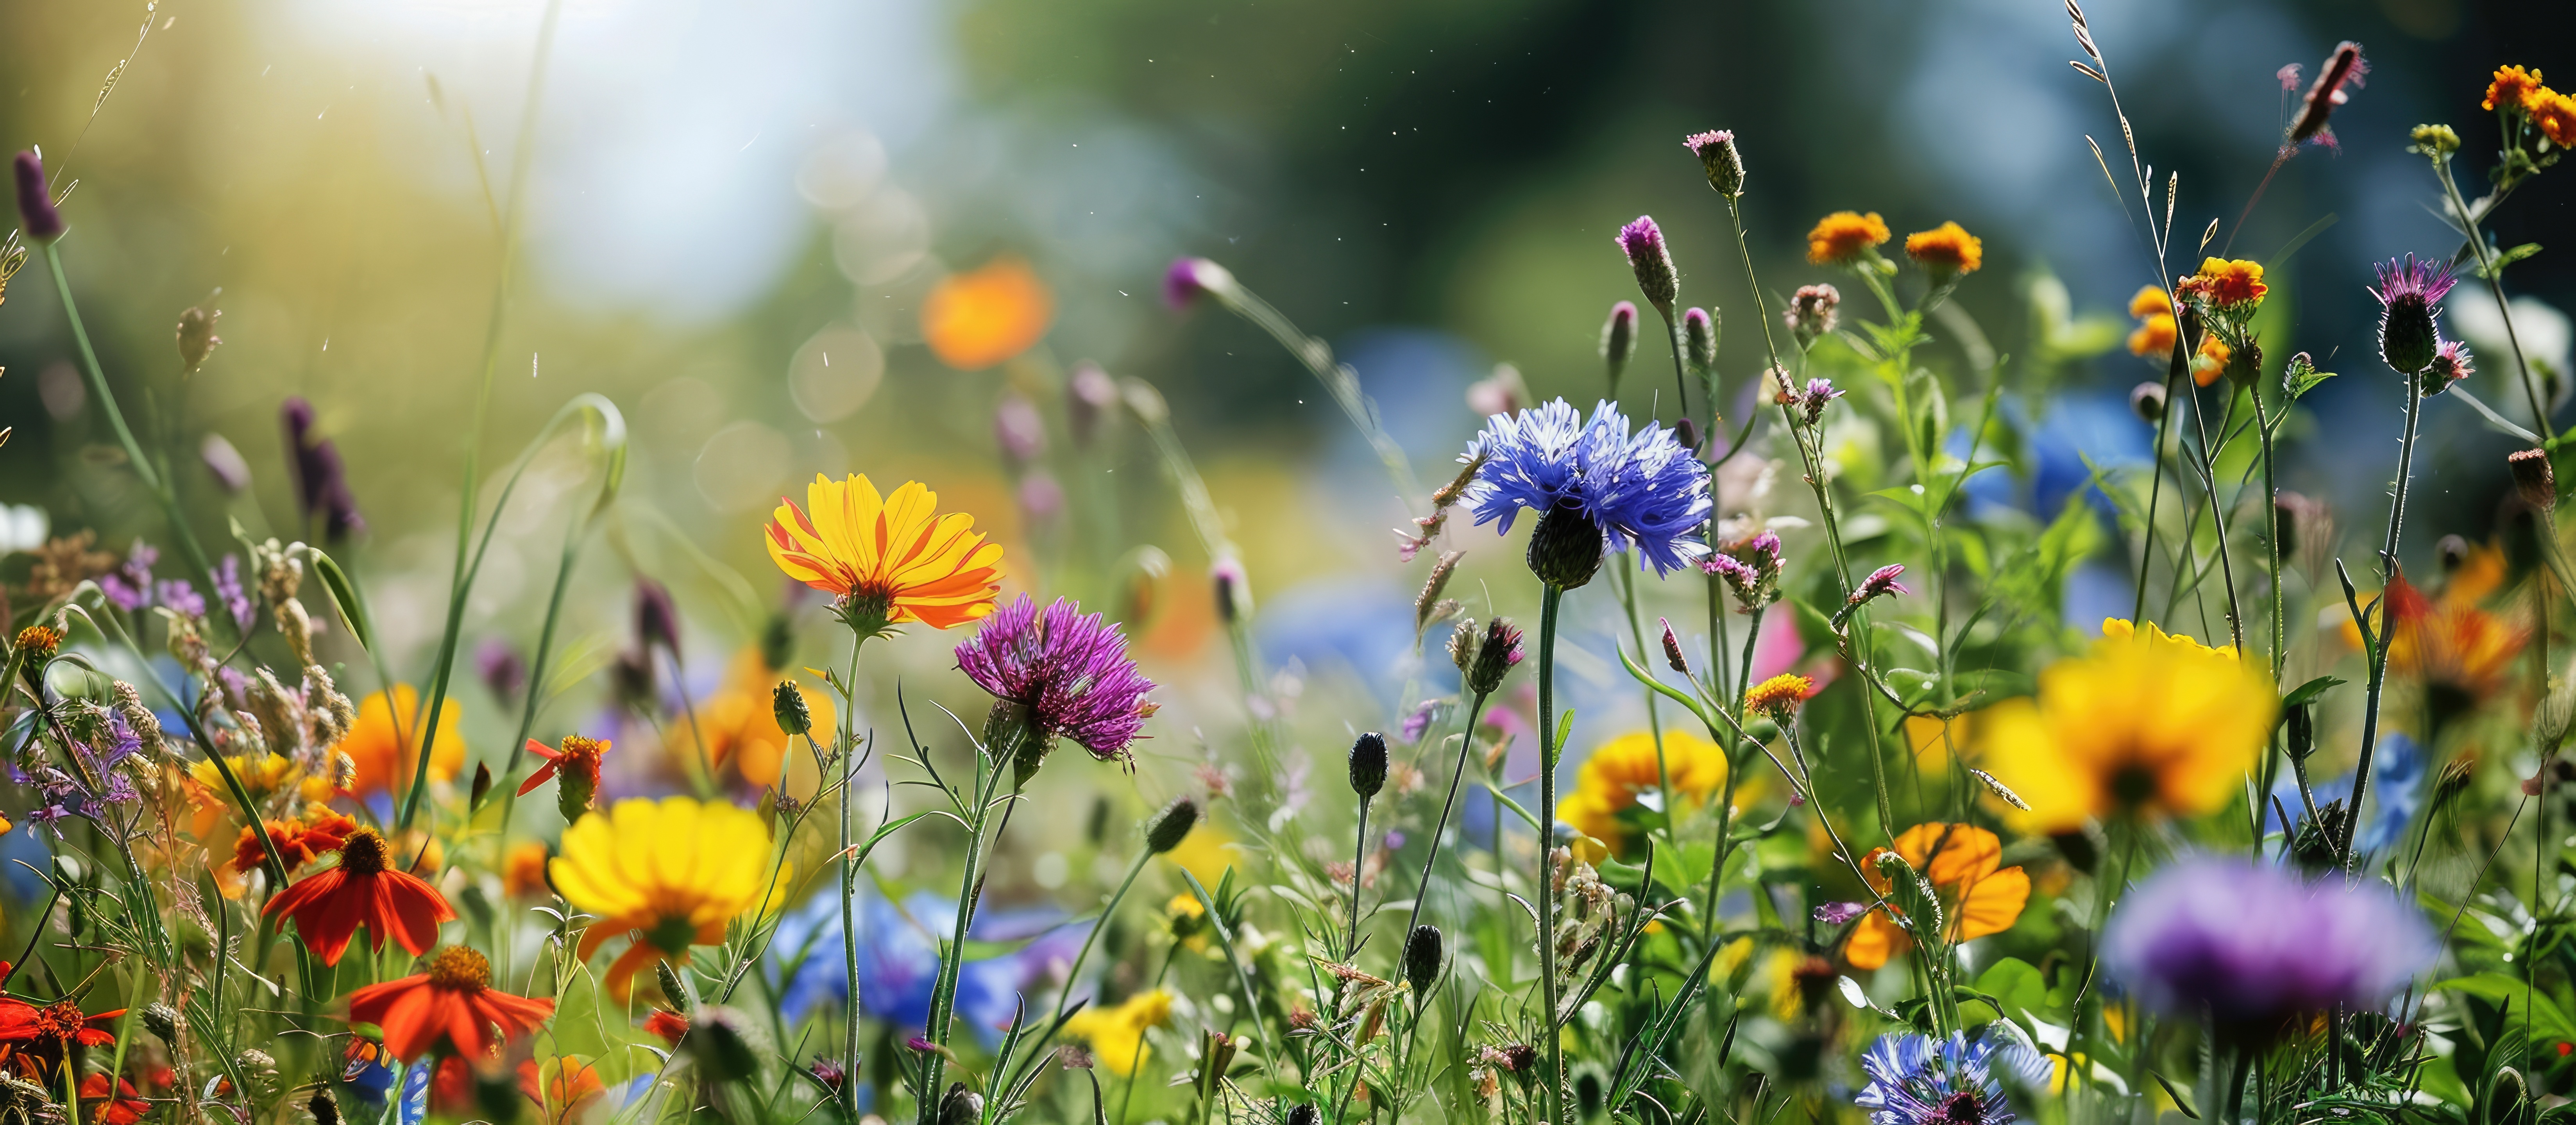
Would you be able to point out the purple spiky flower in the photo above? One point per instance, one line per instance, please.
(36, 212)
(2407, 292)
(1918, 1080)
(1066, 670)
(1643, 242)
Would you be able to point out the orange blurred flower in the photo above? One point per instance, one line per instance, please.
(2461, 652)
(1843, 236)
(2150, 301)
(561, 1087)
(97, 1108)
(976, 319)
(2154, 337)
(2211, 362)
(299, 842)
(523, 871)
(741, 724)
(385, 742)
(1960, 862)
(453, 1003)
(891, 554)
(1945, 248)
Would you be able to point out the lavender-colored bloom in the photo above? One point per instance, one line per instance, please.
(36, 212)
(1019, 430)
(129, 586)
(228, 589)
(225, 462)
(1917, 1080)
(899, 959)
(1840, 913)
(321, 481)
(50, 816)
(1189, 277)
(1818, 393)
(177, 596)
(1068, 669)
(1090, 395)
(2254, 944)
(1394, 840)
(1041, 498)
(1642, 490)
(2450, 365)
(1880, 582)
(1418, 723)
(1643, 242)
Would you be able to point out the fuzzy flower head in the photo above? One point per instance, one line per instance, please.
(2408, 290)
(1060, 673)
(2515, 90)
(1605, 488)
(1779, 696)
(1717, 154)
(1643, 242)
(1917, 1080)
(1808, 405)
(1845, 236)
(1751, 568)
(2254, 944)
(1810, 315)
(1947, 251)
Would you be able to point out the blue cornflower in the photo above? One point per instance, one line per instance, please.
(1596, 486)
(1917, 1080)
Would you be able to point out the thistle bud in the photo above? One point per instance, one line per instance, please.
(1495, 655)
(1565, 548)
(1699, 341)
(36, 212)
(1619, 340)
(657, 621)
(1673, 649)
(2451, 552)
(2450, 365)
(1643, 242)
(2147, 401)
(2533, 480)
(197, 337)
(1171, 826)
(1368, 765)
(787, 703)
(1422, 958)
(2407, 292)
(1718, 157)
(163, 1021)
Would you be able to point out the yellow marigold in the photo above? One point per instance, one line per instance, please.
(741, 724)
(1960, 861)
(1780, 694)
(2231, 282)
(2514, 87)
(1936, 740)
(1117, 1035)
(2146, 724)
(671, 873)
(2150, 301)
(2555, 113)
(976, 319)
(2155, 337)
(39, 641)
(1843, 235)
(1946, 248)
(891, 552)
(1624, 767)
(385, 743)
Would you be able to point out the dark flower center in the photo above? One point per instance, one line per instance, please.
(363, 853)
(1963, 1108)
(459, 969)
(2134, 783)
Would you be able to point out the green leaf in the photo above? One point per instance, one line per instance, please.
(344, 597)
(2180, 1102)
(2301, 376)
(2509, 257)
(2309, 691)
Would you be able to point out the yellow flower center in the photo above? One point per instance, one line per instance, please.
(460, 969)
(363, 853)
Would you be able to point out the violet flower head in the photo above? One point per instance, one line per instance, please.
(177, 596)
(1189, 277)
(1643, 242)
(498, 665)
(1818, 393)
(1602, 488)
(35, 201)
(1069, 671)
(1917, 1080)
(228, 589)
(2254, 945)
(2450, 365)
(1881, 582)
(1419, 722)
(1090, 396)
(1840, 913)
(657, 620)
(2408, 290)
(1018, 430)
(1719, 158)
(1041, 498)
(321, 482)
(224, 463)
(129, 586)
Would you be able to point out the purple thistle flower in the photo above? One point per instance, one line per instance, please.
(129, 586)
(228, 589)
(1840, 913)
(1189, 277)
(2450, 365)
(1068, 670)
(1643, 242)
(1642, 490)
(2254, 945)
(35, 201)
(2408, 290)
(1916, 1080)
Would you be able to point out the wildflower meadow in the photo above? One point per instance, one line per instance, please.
(1781, 720)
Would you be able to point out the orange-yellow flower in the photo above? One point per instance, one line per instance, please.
(2146, 724)
(2514, 87)
(1960, 861)
(2555, 113)
(2211, 362)
(1947, 248)
(1779, 695)
(385, 743)
(894, 554)
(2231, 282)
(976, 319)
(741, 724)
(671, 872)
(2460, 652)
(1844, 235)
(523, 871)
(2150, 301)
(1624, 767)
(2155, 337)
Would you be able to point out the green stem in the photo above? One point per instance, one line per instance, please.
(2387, 626)
(1549, 596)
(943, 990)
(1073, 975)
(1654, 717)
(1466, 742)
(846, 745)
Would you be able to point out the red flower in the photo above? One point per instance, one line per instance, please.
(668, 1024)
(578, 761)
(453, 1004)
(35, 1040)
(298, 843)
(98, 1109)
(329, 906)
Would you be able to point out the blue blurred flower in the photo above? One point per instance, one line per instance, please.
(2396, 792)
(1642, 490)
(899, 958)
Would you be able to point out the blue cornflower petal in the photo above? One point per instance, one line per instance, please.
(1642, 489)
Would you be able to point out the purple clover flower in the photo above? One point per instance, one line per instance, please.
(1068, 669)
(1819, 392)
(2254, 945)
(1839, 913)
(1642, 490)
(1917, 1080)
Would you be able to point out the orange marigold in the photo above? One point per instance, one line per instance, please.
(2155, 337)
(2555, 113)
(2211, 363)
(2150, 301)
(1962, 863)
(1843, 235)
(1947, 248)
(891, 554)
(2231, 282)
(2513, 87)
(976, 319)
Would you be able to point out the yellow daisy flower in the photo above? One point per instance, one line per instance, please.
(891, 554)
(1117, 1035)
(1624, 767)
(671, 873)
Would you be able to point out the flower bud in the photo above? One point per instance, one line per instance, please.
(1643, 242)
(657, 621)
(163, 1021)
(1495, 655)
(1719, 158)
(2451, 552)
(787, 704)
(1171, 825)
(1232, 597)
(1189, 277)
(2407, 292)
(2435, 140)
(1812, 312)
(2450, 365)
(325, 1110)
(1699, 341)
(1673, 649)
(1619, 339)
(36, 212)
(1090, 394)
(1565, 548)
(2533, 479)
(672, 989)
(1422, 958)
(722, 1040)
(2147, 401)
(197, 337)
(1368, 765)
